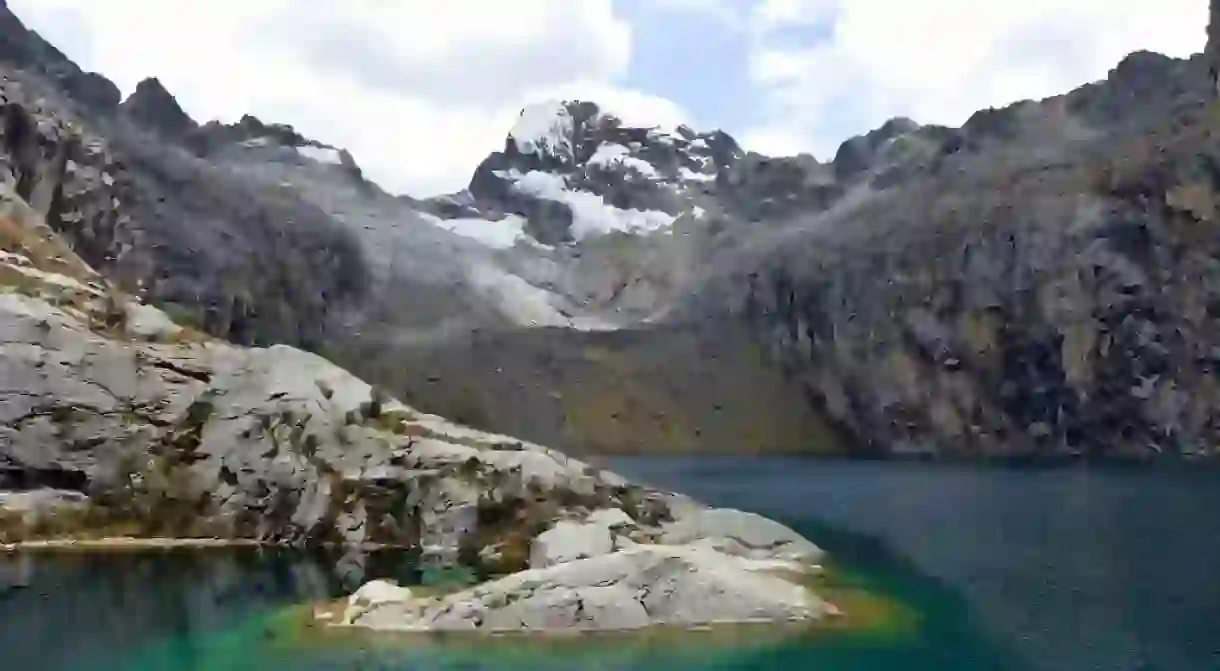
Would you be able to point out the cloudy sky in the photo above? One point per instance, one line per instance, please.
(421, 90)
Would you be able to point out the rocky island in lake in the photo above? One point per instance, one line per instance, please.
(706, 567)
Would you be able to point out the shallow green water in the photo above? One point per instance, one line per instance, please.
(219, 610)
(1004, 570)
(941, 639)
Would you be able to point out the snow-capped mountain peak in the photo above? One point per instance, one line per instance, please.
(544, 129)
(572, 169)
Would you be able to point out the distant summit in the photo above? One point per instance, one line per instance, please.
(155, 108)
(572, 169)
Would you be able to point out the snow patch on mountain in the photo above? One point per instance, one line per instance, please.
(527, 304)
(692, 176)
(325, 155)
(502, 234)
(541, 184)
(609, 154)
(544, 128)
(590, 213)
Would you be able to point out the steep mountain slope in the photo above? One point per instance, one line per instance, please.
(1046, 287)
(116, 421)
(630, 216)
(259, 235)
(1030, 283)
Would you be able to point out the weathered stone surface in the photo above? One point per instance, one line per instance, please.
(35, 503)
(750, 533)
(632, 588)
(148, 323)
(187, 435)
(611, 518)
(569, 541)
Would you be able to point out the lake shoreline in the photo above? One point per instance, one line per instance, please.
(140, 544)
(1014, 462)
(127, 543)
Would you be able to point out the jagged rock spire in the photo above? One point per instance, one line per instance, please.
(153, 107)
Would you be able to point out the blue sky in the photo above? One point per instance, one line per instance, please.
(691, 58)
(420, 91)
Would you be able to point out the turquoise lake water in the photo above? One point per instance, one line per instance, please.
(1051, 570)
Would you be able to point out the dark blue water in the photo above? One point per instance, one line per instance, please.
(1069, 570)
(1074, 569)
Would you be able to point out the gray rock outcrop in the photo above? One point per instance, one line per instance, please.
(641, 586)
(170, 432)
(114, 417)
(569, 541)
(742, 533)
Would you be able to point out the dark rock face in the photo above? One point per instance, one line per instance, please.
(153, 107)
(1143, 86)
(1057, 304)
(857, 154)
(95, 91)
(70, 181)
(176, 229)
(762, 188)
(214, 134)
(27, 50)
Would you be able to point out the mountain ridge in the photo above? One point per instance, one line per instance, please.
(900, 298)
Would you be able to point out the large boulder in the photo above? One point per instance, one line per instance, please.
(747, 533)
(570, 541)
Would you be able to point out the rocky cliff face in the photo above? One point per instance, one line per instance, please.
(27, 50)
(116, 421)
(1043, 289)
(168, 432)
(171, 227)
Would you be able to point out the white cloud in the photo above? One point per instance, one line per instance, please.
(418, 91)
(937, 61)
